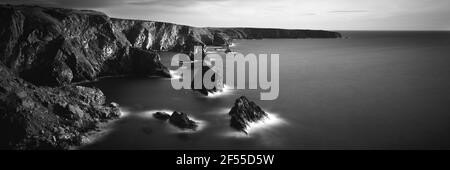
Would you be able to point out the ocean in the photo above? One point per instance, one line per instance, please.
(368, 90)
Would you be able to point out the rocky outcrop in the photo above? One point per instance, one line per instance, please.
(161, 116)
(245, 112)
(178, 119)
(181, 120)
(34, 117)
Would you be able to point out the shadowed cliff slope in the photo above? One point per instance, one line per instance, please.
(33, 117)
(49, 46)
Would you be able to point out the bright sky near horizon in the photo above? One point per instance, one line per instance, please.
(295, 14)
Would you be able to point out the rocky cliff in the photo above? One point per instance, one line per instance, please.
(43, 51)
(49, 46)
(64, 46)
(152, 35)
(33, 117)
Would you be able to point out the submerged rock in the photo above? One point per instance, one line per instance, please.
(161, 116)
(181, 120)
(245, 112)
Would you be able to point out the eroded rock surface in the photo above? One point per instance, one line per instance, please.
(161, 116)
(245, 112)
(34, 117)
(43, 51)
(51, 46)
(181, 120)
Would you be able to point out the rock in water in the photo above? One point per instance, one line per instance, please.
(181, 120)
(161, 116)
(245, 112)
(218, 85)
(228, 50)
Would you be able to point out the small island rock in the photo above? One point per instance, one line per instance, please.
(244, 112)
(181, 120)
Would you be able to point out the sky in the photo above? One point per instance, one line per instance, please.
(290, 14)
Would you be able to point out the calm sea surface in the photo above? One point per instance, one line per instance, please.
(370, 90)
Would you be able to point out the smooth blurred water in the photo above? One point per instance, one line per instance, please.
(370, 90)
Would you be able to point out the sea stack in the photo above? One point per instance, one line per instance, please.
(245, 112)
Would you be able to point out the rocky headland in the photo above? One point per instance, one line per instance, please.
(44, 52)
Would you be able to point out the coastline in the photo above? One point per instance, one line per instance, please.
(60, 57)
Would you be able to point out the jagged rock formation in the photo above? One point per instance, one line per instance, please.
(150, 35)
(245, 112)
(182, 121)
(178, 119)
(34, 117)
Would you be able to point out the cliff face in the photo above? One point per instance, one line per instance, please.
(149, 35)
(152, 35)
(57, 47)
(33, 117)
(64, 46)
(48, 46)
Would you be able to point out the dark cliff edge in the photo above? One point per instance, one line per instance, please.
(33, 117)
(45, 51)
